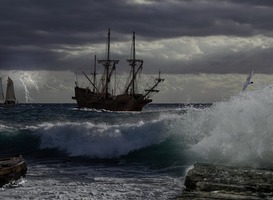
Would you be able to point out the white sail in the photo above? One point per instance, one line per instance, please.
(10, 95)
(2, 98)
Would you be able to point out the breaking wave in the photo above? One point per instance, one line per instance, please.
(101, 140)
(235, 132)
(94, 140)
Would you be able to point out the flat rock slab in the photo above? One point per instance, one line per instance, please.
(209, 181)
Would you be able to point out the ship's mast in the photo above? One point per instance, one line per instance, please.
(109, 66)
(93, 83)
(136, 66)
(152, 89)
(134, 63)
(95, 73)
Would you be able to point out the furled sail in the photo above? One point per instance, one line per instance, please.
(10, 95)
(2, 98)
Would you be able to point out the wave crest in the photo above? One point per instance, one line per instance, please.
(101, 140)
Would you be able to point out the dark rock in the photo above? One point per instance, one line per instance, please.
(208, 181)
(12, 169)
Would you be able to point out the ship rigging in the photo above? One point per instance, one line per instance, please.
(101, 98)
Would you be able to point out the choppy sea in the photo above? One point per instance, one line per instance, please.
(94, 154)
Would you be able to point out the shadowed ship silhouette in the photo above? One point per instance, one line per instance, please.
(100, 97)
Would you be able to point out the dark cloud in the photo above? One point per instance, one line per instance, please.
(36, 34)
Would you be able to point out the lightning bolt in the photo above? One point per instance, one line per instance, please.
(27, 94)
(27, 80)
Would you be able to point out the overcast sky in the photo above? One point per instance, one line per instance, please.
(212, 38)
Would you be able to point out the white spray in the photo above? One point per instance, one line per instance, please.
(235, 132)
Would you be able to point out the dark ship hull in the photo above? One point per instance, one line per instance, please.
(125, 102)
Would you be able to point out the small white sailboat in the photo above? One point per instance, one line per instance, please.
(10, 99)
(2, 98)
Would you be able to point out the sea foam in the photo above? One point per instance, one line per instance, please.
(236, 132)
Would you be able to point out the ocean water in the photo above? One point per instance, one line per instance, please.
(93, 154)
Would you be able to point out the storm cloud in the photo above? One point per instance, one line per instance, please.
(177, 36)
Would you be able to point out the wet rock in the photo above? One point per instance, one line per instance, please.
(12, 169)
(208, 181)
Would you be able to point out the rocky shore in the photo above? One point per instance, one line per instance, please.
(208, 181)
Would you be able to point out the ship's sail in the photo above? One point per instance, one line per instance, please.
(10, 95)
(2, 98)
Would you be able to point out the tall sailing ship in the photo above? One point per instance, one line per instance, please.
(101, 98)
(10, 99)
